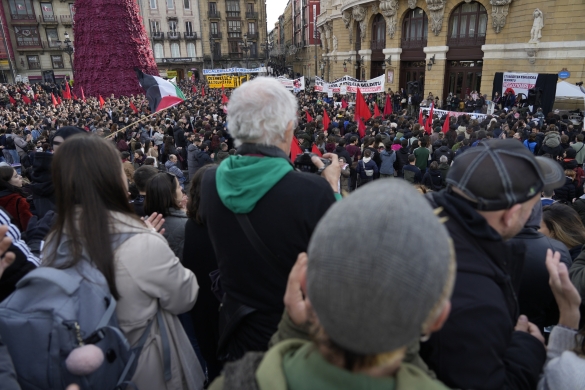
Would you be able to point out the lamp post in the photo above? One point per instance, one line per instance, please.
(211, 48)
(246, 46)
(68, 49)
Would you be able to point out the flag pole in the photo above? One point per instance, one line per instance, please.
(139, 120)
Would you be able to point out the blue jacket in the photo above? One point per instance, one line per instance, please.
(388, 160)
(172, 168)
(364, 166)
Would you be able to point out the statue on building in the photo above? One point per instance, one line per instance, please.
(537, 25)
(110, 41)
(412, 4)
(359, 15)
(388, 9)
(437, 10)
(346, 16)
(334, 44)
(499, 13)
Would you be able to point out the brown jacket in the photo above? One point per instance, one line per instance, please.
(129, 171)
(149, 275)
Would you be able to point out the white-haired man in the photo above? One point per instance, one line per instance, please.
(260, 213)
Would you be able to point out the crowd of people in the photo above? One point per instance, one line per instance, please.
(275, 242)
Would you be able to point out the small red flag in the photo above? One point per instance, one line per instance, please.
(67, 92)
(429, 123)
(36, 96)
(361, 108)
(74, 95)
(343, 103)
(224, 99)
(133, 107)
(309, 117)
(26, 99)
(54, 101)
(102, 101)
(295, 149)
(203, 91)
(194, 89)
(361, 128)
(59, 99)
(11, 99)
(388, 106)
(420, 119)
(316, 151)
(376, 111)
(82, 95)
(326, 120)
(446, 124)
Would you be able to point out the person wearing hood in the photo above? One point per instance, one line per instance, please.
(196, 158)
(567, 192)
(551, 145)
(12, 197)
(388, 157)
(367, 169)
(432, 178)
(444, 169)
(254, 198)
(443, 150)
(535, 297)
(569, 161)
(341, 151)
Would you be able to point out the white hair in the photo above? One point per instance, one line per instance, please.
(260, 111)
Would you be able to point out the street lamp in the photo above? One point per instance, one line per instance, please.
(211, 48)
(322, 69)
(68, 49)
(431, 63)
(246, 46)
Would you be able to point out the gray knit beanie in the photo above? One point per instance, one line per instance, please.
(372, 287)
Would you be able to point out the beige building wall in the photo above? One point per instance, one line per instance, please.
(561, 46)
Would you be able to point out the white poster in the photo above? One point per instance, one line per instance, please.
(375, 85)
(519, 82)
(295, 85)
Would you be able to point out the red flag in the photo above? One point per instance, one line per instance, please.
(376, 111)
(102, 101)
(361, 108)
(309, 117)
(26, 99)
(203, 91)
(388, 106)
(67, 92)
(429, 124)
(326, 120)
(82, 95)
(316, 151)
(343, 103)
(446, 124)
(53, 100)
(420, 119)
(133, 107)
(361, 128)
(74, 96)
(295, 149)
(36, 96)
(224, 99)
(59, 99)
(12, 101)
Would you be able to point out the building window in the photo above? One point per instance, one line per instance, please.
(57, 61)
(468, 24)
(191, 50)
(159, 51)
(187, 4)
(415, 27)
(152, 4)
(253, 49)
(233, 9)
(172, 26)
(251, 28)
(27, 36)
(234, 47)
(234, 28)
(214, 28)
(175, 50)
(189, 28)
(170, 4)
(154, 26)
(213, 8)
(33, 62)
(53, 37)
(21, 9)
(47, 11)
(250, 8)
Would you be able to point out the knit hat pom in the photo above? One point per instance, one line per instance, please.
(84, 360)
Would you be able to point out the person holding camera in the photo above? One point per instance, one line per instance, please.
(265, 208)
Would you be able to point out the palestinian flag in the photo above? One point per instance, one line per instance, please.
(160, 93)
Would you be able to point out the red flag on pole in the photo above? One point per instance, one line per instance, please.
(11, 99)
(59, 99)
(446, 124)
(295, 149)
(316, 151)
(203, 91)
(67, 92)
(361, 108)
(102, 101)
(388, 106)
(133, 107)
(82, 95)
(420, 119)
(53, 100)
(361, 128)
(376, 111)
(429, 123)
(343, 103)
(224, 99)
(326, 120)
(194, 89)
(309, 117)
(26, 99)
(74, 95)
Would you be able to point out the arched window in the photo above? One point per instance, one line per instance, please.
(159, 50)
(468, 25)
(415, 29)
(378, 33)
(191, 50)
(175, 50)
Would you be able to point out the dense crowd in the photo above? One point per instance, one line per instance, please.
(283, 241)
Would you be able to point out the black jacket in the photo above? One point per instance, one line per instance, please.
(340, 151)
(401, 159)
(478, 348)
(443, 151)
(566, 193)
(432, 180)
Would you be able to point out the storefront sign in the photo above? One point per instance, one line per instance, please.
(519, 82)
(375, 85)
(233, 70)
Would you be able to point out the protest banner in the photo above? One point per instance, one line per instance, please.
(295, 85)
(216, 82)
(209, 72)
(519, 82)
(375, 85)
(442, 113)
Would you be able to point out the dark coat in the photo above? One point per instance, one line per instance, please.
(175, 231)
(401, 159)
(443, 151)
(478, 348)
(566, 193)
(432, 180)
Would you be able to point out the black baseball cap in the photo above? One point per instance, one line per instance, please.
(499, 173)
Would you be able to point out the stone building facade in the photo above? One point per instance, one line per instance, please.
(451, 45)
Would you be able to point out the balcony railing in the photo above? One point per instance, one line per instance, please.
(476, 40)
(190, 35)
(48, 19)
(23, 17)
(29, 44)
(253, 35)
(173, 35)
(251, 15)
(51, 45)
(216, 35)
(34, 65)
(157, 35)
(66, 19)
(213, 14)
(236, 55)
(414, 43)
(233, 14)
(378, 45)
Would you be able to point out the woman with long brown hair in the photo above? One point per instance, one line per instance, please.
(142, 273)
(12, 197)
(563, 223)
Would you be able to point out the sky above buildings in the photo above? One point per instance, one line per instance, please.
(274, 8)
